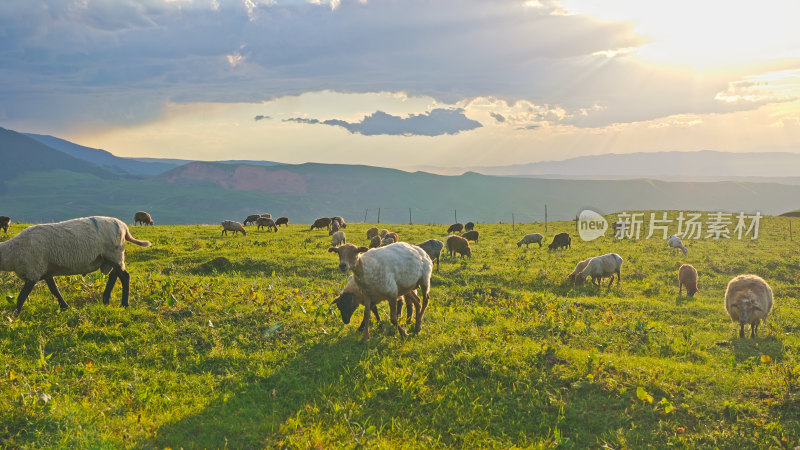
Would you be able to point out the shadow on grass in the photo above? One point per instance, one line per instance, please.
(747, 348)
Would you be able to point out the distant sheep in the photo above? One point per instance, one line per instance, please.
(561, 240)
(375, 242)
(455, 228)
(385, 273)
(72, 247)
(143, 218)
(251, 219)
(338, 238)
(322, 222)
(533, 238)
(578, 269)
(687, 276)
(472, 235)
(372, 232)
(232, 225)
(282, 221)
(618, 228)
(457, 244)
(601, 267)
(340, 219)
(5, 221)
(266, 215)
(269, 224)
(392, 235)
(748, 300)
(469, 226)
(351, 297)
(384, 232)
(676, 244)
(433, 247)
(334, 227)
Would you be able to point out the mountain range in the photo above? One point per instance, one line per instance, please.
(48, 179)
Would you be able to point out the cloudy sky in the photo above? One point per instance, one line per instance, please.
(402, 83)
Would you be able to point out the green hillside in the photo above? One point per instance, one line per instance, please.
(231, 342)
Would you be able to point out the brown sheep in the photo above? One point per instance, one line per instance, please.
(232, 225)
(457, 244)
(383, 233)
(266, 215)
(392, 235)
(687, 276)
(322, 222)
(456, 228)
(143, 218)
(282, 221)
(342, 223)
(472, 235)
(267, 223)
(372, 232)
(5, 221)
(251, 219)
(375, 242)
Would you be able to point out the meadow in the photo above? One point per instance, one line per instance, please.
(230, 341)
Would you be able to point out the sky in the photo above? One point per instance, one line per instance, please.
(402, 83)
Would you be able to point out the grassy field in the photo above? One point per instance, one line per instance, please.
(231, 342)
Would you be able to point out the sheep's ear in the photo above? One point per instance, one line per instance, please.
(333, 250)
(362, 249)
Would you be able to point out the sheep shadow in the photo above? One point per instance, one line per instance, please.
(681, 300)
(744, 349)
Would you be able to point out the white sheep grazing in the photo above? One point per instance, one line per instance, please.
(387, 273)
(234, 226)
(72, 247)
(748, 299)
(351, 297)
(675, 244)
(578, 269)
(533, 238)
(601, 267)
(338, 238)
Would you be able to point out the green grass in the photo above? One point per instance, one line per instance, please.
(230, 341)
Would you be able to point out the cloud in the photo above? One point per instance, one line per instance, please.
(498, 117)
(261, 117)
(433, 123)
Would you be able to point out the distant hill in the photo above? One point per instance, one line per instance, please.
(795, 213)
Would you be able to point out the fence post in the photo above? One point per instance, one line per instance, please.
(379, 215)
(513, 222)
(455, 214)
(545, 217)
(365, 215)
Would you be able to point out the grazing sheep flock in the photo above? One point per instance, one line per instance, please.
(73, 247)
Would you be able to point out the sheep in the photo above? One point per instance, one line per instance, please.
(561, 240)
(618, 228)
(388, 240)
(265, 215)
(748, 299)
(675, 244)
(386, 273)
(372, 232)
(533, 238)
(469, 226)
(351, 297)
(73, 247)
(338, 238)
(384, 232)
(433, 247)
(322, 222)
(455, 228)
(143, 218)
(472, 235)
(340, 219)
(282, 221)
(601, 267)
(687, 276)
(232, 225)
(457, 244)
(267, 223)
(251, 219)
(392, 235)
(334, 227)
(5, 221)
(375, 242)
(578, 269)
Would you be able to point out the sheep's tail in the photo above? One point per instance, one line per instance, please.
(131, 239)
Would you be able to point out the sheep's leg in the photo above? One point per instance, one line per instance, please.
(741, 330)
(112, 280)
(125, 278)
(619, 277)
(365, 322)
(753, 330)
(612, 281)
(51, 283)
(393, 317)
(377, 318)
(23, 294)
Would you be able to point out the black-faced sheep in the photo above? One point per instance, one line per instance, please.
(375, 242)
(433, 247)
(351, 297)
(601, 267)
(251, 219)
(387, 273)
(748, 300)
(322, 222)
(561, 240)
(372, 232)
(533, 238)
(267, 223)
(282, 221)
(338, 238)
(72, 247)
(472, 235)
(234, 226)
(455, 228)
(143, 218)
(675, 244)
(457, 244)
(469, 226)
(5, 221)
(687, 276)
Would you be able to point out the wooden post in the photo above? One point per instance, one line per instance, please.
(790, 230)
(455, 214)
(545, 217)
(365, 215)
(513, 222)
(379, 215)
(409, 217)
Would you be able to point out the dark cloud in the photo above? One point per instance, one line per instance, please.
(498, 117)
(434, 123)
(261, 117)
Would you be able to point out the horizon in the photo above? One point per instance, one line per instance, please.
(452, 84)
